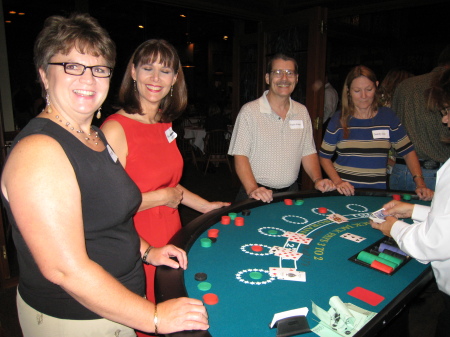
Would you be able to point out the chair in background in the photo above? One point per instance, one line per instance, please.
(216, 148)
(185, 146)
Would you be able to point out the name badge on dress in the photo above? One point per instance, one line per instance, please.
(296, 124)
(377, 134)
(170, 134)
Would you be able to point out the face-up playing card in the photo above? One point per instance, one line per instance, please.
(277, 248)
(352, 237)
(337, 218)
(297, 237)
(288, 254)
(278, 272)
(294, 276)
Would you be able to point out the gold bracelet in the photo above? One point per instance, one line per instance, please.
(417, 176)
(155, 319)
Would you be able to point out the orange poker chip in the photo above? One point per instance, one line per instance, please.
(210, 299)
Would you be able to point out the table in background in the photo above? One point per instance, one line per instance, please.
(246, 306)
(197, 134)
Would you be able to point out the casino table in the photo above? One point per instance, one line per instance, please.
(246, 305)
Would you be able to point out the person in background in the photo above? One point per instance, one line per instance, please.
(424, 127)
(427, 239)
(361, 136)
(70, 204)
(387, 88)
(152, 94)
(390, 82)
(272, 137)
(331, 101)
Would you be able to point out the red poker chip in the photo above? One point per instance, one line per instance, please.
(226, 220)
(288, 202)
(213, 233)
(210, 299)
(322, 210)
(257, 248)
(239, 221)
(396, 197)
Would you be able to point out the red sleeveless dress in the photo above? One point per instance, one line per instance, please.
(153, 163)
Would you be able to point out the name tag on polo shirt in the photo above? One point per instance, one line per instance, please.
(296, 124)
(171, 135)
(377, 134)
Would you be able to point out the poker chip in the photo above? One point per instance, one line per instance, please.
(406, 196)
(272, 232)
(298, 202)
(210, 299)
(239, 221)
(213, 239)
(246, 212)
(396, 197)
(205, 242)
(200, 277)
(322, 210)
(232, 215)
(257, 248)
(255, 275)
(204, 286)
(213, 233)
(288, 202)
(226, 220)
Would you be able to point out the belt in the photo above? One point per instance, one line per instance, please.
(426, 164)
(276, 190)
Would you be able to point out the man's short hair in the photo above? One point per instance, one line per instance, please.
(283, 57)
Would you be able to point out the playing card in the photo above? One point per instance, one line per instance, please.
(278, 272)
(378, 216)
(297, 237)
(352, 237)
(275, 249)
(337, 218)
(288, 255)
(294, 276)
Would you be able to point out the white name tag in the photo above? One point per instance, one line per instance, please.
(377, 134)
(171, 135)
(296, 124)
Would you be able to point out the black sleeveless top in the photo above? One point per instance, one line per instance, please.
(109, 201)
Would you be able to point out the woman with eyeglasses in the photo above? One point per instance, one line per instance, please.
(70, 204)
(360, 136)
(152, 95)
(427, 239)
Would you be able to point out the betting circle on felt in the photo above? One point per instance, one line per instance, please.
(230, 261)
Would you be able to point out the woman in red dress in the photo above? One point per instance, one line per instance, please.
(153, 94)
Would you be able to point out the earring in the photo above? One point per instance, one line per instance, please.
(49, 107)
(171, 91)
(135, 85)
(99, 113)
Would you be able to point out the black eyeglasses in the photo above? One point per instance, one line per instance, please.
(77, 69)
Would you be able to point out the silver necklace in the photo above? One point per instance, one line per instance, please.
(94, 134)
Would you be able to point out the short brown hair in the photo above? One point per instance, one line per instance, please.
(79, 31)
(149, 52)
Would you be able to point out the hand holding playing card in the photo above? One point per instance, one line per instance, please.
(386, 226)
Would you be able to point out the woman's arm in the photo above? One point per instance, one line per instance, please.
(343, 187)
(199, 204)
(412, 161)
(40, 184)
